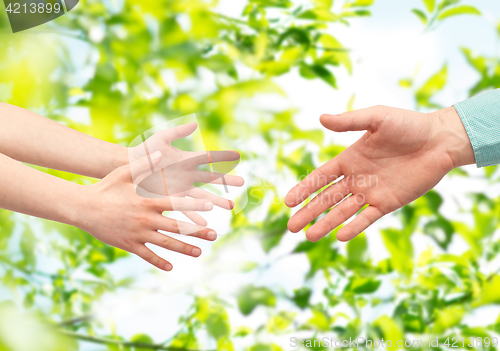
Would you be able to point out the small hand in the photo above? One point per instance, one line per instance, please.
(121, 218)
(402, 156)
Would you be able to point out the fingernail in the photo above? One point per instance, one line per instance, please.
(168, 266)
(211, 235)
(196, 252)
(208, 206)
(156, 156)
(231, 204)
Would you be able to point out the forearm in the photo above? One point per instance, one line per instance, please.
(26, 190)
(28, 137)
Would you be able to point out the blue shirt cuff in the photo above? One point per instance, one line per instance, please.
(481, 118)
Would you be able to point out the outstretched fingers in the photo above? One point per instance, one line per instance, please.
(322, 202)
(218, 178)
(363, 119)
(321, 177)
(195, 218)
(175, 245)
(179, 227)
(172, 203)
(205, 157)
(359, 224)
(218, 201)
(337, 215)
(175, 133)
(149, 256)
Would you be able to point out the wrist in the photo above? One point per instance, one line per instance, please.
(452, 137)
(119, 158)
(76, 212)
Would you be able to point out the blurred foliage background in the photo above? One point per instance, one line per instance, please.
(132, 64)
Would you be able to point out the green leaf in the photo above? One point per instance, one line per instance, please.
(275, 226)
(406, 83)
(362, 285)
(448, 318)
(334, 52)
(265, 347)
(318, 14)
(241, 332)
(459, 10)
(301, 297)
(350, 104)
(356, 13)
(251, 297)
(488, 293)
(249, 266)
(280, 322)
(421, 16)
(447, 3)
(273, 3)
(411, 315)
(318, 71)
(431, 87)
(143, 339)
(323, 3)
(399, 245)
(360, 3)
(441, 230)
(295, 36)
(320, 320)
(388, 329)
(218, 325)
(28, 242)
(479, 63)
(430, 5)
(357, 252)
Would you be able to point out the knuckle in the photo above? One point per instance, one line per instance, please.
(128, 244)
(166, 242)
(143, 163)
(341, 213)
(379, 108)
(144, 202)
(150, 257)
(143, 219)
(381, 112)
(188, 249)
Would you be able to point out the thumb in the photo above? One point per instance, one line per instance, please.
(144, 166)
(178, 132)
(364, 119)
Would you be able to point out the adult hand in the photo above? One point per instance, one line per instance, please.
(121, 218)
(178, 170)
(402, 156)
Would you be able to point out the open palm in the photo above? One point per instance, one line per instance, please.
(403, 155)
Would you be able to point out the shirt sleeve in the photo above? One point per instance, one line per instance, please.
(481, 118)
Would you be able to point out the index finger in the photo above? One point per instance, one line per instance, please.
(321, 177)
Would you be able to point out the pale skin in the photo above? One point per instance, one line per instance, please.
(402, 156)
(111, 209)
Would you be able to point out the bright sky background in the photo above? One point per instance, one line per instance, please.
(386, 47)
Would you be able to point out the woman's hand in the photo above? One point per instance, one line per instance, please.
(402, 156)
(178, 169)
(121, 218)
